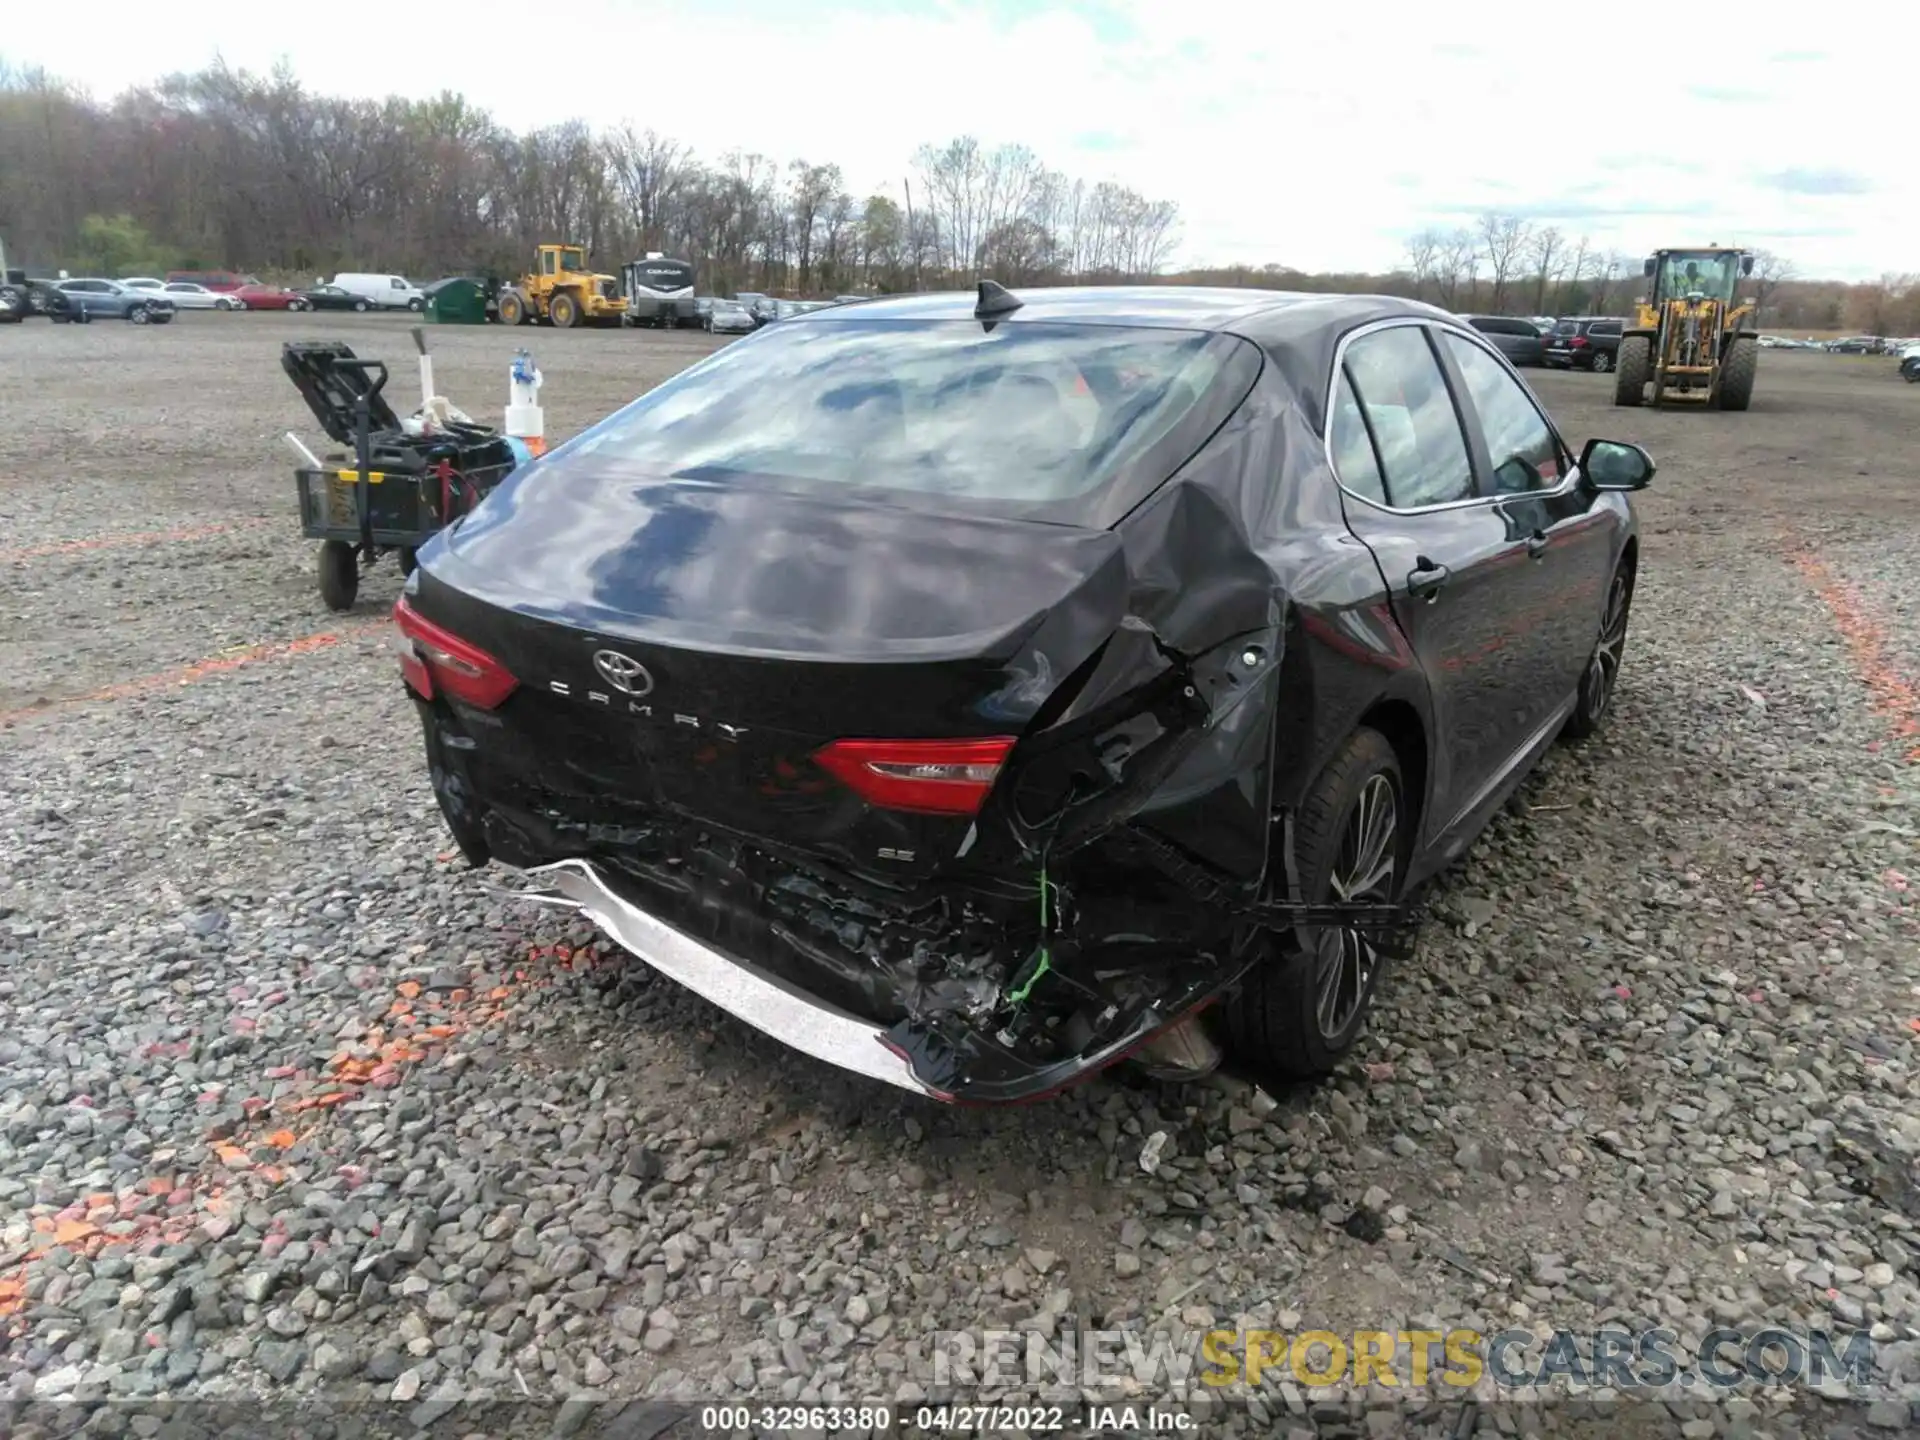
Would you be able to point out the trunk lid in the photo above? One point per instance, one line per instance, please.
(687, 648)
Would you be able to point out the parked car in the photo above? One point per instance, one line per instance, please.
(703, 310)
(187, 295)
(260, 296)
(763, 308)
(1856, 345)
(1518, 340)
(730, 317)
(386, 292)
(332, 297)
(222, 280)
(45, 297)
(1586, 342)
(1910, 363)
(13, 303)
(92, 299)
(959, 688)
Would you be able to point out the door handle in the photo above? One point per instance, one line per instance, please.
(1537, 544)
(1426, 578)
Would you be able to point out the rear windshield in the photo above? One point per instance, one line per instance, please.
(1566, 327)
(1035, 414)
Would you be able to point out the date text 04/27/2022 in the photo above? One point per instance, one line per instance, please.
(1038, 1419)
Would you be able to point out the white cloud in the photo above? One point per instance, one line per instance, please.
(1313, 136)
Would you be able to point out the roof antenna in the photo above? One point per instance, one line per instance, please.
(995, 300)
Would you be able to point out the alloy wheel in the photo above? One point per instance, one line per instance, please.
(1603, 669)
(1364, 869)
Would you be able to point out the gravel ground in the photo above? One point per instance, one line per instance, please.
(293, 1106)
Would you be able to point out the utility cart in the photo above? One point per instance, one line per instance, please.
(401, 483)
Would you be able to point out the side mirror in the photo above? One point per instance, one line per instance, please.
(1746, 264)
(1616, 465)
(1648, 266)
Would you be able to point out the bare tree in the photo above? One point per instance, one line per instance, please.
(1770, 271)
(1575, 272)
(1503, 239)
(1423, 257)
(649, 170)
(1607, 275)
(1547, 250)
(1459, 268)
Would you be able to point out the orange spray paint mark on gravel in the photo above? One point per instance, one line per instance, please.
(165, 1209)
(1894, 695)
(179, 534)
(238, 658)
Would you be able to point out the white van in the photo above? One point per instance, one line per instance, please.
(389, 292)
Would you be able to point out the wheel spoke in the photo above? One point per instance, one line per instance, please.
(1364, 868)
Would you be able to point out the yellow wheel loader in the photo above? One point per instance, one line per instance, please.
(561, 290)
(1692, 343)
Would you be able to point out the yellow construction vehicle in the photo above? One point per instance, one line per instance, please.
(562, 290)
(1692, 343)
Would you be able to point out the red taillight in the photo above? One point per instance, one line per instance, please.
(928, 777)
(443, 658)
(1579, 342)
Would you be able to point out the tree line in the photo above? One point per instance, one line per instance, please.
(223, 168)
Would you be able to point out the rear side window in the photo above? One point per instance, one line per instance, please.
(1028, 414)
(1409, 411)
(1353, 458)
(1604, 327)
(1521, 444)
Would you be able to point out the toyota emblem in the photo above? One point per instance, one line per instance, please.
(623, 672)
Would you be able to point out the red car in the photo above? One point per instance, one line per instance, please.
(260, 296)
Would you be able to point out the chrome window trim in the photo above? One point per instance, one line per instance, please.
(1567, 482)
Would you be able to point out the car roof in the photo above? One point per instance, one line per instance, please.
(1299, 332)
(1182, 307)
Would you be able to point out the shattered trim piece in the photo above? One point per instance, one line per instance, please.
(737, 986)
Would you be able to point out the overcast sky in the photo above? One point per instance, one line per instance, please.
(1316, 136)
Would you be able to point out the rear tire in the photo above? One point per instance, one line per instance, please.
(139, 315)
(1602, 362)
(511, 309)
(1633, 366)
(339, 574)
(1737, 374)
(564, 311)
(1299, 1012)
(360, 307)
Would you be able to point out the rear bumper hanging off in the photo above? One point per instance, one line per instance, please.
(764, 1001)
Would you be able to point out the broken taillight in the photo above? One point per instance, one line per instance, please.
(928, 777)
(441, 658)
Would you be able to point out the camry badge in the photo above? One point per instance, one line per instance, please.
(623, 672)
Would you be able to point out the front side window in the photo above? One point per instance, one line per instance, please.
(1037, 414)
(1522, 446)
(1416, 431)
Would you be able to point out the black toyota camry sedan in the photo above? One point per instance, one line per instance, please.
(973, 690)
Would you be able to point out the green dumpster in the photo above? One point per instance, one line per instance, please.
(457, 300)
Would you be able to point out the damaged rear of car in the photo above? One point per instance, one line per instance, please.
(937, 685)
